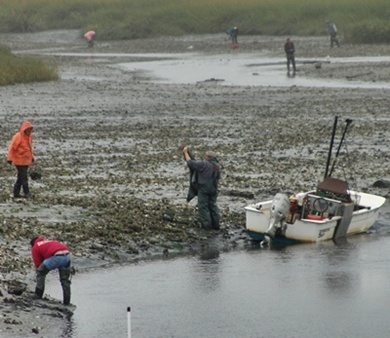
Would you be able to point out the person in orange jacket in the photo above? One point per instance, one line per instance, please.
(20, 154)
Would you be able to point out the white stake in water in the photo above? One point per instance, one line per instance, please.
(128, 322)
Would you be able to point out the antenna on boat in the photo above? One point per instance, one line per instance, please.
(331, 146)
(348, 122)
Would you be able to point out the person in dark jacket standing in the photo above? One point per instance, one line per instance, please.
(332, 30)
(233, 33)
(48, 255)
(209, 173)
(20, 154)
(290, 54)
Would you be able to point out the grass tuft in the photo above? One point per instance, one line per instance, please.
(24, 69)
(357, 20)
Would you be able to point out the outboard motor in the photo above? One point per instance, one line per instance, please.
(280, 209)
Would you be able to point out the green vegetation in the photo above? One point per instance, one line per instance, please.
(24, 69)
(357, 20)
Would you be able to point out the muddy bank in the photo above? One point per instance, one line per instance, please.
(106, 142)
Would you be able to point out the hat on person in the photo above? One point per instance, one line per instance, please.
(210, 155)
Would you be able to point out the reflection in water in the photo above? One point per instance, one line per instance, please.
(206, 271)
(337, 280)
(208, 253)
(336, 288)
(69, 331)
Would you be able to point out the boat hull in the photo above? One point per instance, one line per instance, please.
(315, 229)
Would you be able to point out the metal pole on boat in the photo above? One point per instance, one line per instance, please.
(128, 322)
(331, 146)
(348, 122)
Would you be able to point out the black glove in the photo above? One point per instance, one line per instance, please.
(9, 162)
(33, 160)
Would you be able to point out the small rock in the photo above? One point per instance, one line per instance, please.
(382, 184)
(16, 287)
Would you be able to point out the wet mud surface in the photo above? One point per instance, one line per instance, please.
(114, 183)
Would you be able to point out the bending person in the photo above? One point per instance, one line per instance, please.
(48, 255)
(89, 37)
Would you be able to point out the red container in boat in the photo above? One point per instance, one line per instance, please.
(315, 217)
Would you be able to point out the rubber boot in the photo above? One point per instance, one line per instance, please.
(17, 187)
(26, 191)
(42, 271)
(214, 210)
(65, 283)
(38, 293)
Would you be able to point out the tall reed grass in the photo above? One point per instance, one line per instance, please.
(357, 20)
(24, 69)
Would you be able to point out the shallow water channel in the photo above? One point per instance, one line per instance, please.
(241, 69)
(311, 290)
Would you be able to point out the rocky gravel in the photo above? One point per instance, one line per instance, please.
(114, 183)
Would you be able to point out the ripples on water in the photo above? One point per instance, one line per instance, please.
(311, 290)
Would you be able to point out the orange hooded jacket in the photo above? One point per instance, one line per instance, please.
(20, 149)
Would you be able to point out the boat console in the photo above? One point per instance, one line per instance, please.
(324, 207)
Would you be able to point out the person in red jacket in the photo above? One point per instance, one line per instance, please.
(20, 154)
(48, 255)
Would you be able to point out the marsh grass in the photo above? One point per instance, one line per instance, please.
(357, 20)
(24, 69)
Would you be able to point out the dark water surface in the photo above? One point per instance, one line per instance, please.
(311, 290)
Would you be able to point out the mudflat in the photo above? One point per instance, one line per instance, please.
(114, 183)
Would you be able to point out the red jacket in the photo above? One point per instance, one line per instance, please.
(20, 150)
(45, 248)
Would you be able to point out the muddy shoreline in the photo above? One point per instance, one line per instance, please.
(106, 142)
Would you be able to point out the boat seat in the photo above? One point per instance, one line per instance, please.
(335, 188)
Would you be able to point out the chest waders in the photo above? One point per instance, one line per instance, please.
(207, 205)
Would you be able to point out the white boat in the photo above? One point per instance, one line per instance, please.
(329, 212)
